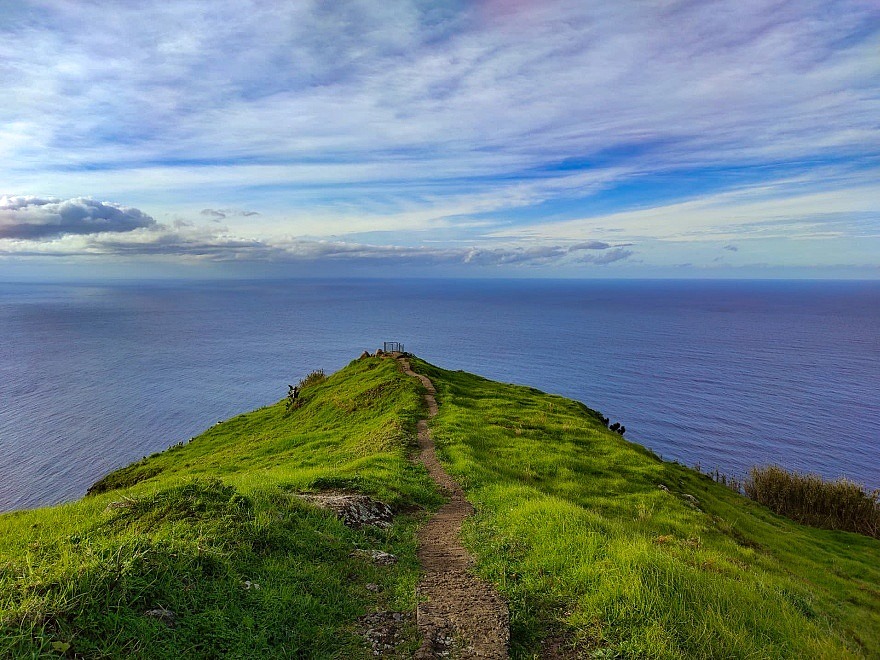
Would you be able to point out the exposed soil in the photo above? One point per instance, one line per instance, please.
(385, 632)
(557, 648)
(459, 615)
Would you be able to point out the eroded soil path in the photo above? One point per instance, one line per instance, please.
(459, 615)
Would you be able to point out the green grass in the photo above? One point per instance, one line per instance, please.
(194, 528)
(571, 524)
(573, 527)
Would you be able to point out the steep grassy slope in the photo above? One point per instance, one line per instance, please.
(596, 559)
(210, 531)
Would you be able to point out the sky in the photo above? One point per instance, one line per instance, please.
(516, 138)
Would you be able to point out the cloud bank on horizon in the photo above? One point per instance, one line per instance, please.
(573, 138)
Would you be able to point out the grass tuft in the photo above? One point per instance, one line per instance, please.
(312, 378)
(810, 499)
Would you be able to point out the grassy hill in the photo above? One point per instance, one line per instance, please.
(594, 557)
(195, 528)
(575, 529)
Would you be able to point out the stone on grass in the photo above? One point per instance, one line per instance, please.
(690, 499)
(164, 615)
(355, 511)
(377, 556)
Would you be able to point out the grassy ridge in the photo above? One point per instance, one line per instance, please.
(195, 529)
(602, 549)
(575, 529)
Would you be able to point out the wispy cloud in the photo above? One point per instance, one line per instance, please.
(693, 82)
(119, 236)
(776, 209)
(411, 116)
(222, 214)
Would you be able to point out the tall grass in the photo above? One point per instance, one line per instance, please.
(313, 378)
(809, 499)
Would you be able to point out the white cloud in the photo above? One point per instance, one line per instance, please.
(779, 209)
(34, 218)
(200, 244)
(82, 227)
(365, 81)
(398, 115)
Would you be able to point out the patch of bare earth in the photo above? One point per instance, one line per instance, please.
(558, 648)
(385, 632)
(459, 615)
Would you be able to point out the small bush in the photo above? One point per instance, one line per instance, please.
(294, 401)
(809, 499)
(314, 378)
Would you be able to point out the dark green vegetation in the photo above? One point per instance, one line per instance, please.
(807, 498)
(609, 552)
(211, 532)
(600, 548)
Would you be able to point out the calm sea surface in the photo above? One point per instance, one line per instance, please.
(724, 374)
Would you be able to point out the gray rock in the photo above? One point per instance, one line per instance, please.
(376, 556)
(165, 616)
(690, 499)
(354, 510)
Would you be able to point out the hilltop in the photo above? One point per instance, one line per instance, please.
(599, 548)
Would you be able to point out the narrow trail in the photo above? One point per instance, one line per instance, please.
(459, 615)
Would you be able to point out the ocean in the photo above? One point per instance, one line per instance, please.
(720, 374)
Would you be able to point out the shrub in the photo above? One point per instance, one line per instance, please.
(809, 499)
(314, 378)
(294, 401)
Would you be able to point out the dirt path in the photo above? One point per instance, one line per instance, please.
(459, 615)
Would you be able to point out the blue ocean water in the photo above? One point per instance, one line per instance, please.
(724, 374)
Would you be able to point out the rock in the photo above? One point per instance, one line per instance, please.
(378, 556)
(372, 586)
(690, 499)
(663, 488)
(354, 510)
(384, 630)
(165, 616)
(364, 355)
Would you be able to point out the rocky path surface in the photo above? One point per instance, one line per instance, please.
(459, 615)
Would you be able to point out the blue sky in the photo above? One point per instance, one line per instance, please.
(503, 137)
